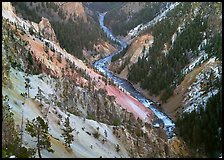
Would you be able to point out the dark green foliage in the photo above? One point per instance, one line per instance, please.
(215, 46)
(11, 142)
(116, 122)
(67, 132)
(203, 130)
(191, 37)
(15, 65)
(74, 36)
(168, 92)
(54, 6)
(38, 128)
(91, 116)
(17, 151)
(27, 86)
(39, 95)
(26, 12)
(116, 16)
(103, 6)
(61, 14)
(163, 72)
(117, 148)
(96, 135)
(16, 47)
(59, 104)
(30, 58)
(4, 153)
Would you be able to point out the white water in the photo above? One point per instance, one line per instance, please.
(102, 66)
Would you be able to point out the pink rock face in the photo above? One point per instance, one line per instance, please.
(46, 30)
(123, 99)
(131, 104)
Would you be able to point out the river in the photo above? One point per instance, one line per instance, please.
(102, 66)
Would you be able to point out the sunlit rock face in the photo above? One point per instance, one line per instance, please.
(7, 6)
(73, 8)
(46, 30)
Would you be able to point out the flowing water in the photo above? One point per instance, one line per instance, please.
(102, 66)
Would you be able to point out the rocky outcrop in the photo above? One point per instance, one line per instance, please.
(99, 50)
(73, 8)
(7, 6)
(152, 143)
(137, 49)
(46, 30)
(44, 26)
(104, 47)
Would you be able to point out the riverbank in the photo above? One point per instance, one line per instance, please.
(102, 66)
(169, 108)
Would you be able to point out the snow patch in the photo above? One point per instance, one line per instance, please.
(81, 147)
(141, 27)
(197, 61)
(197, 96)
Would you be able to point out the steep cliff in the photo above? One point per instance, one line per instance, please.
(73, 9)
(46, 30)
(138, 49)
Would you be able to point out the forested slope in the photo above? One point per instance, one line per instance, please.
(178, 40)
(73, 32)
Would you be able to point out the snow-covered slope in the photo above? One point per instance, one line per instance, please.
(141, 27)
(8, 13)
(199, 92)
(85, 144)
(82, 145)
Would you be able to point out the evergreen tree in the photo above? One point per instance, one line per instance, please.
(39, 129)
(67, 132)
(30, 58)
(202, 129)
(11, 142)
(27, 86)
(117, 148)
(39, 95)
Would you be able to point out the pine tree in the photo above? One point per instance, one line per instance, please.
(7, 123)
(30, 58)
(117, 148)
(11, 142)
(67, 130)
(39, 129)
(39, 95)
(27, 86)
